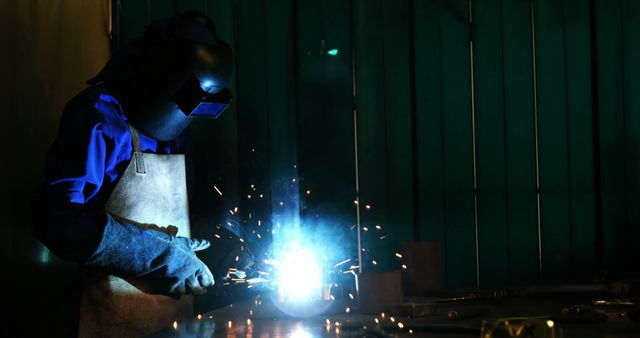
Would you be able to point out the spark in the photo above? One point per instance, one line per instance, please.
(374, 262)
(365, 228)
(400, 325)
(378, 227)
(411, 331)
(235, 209)
(261, 195)
(293, 180)
(393, 320)
(248, 321)
(231, 224)
(376, 320)
(281, 203)
(404, 266)
(210, 317)
(217, 236)
(350, 295)
(231, 211)
(382, 315)
(398, 255)
(347, 310)
(237, 258)
(308, 192)
(229, 324)
(328, 321)
(249, 196)
(175, 324)
(218, 190)
(355, 202)
(199, 317)
(383, 237)
(259, 236)
(259, 222)
(332, 297)
(367, 206)
(340, 263)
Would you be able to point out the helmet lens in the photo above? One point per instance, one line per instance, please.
(209, 109)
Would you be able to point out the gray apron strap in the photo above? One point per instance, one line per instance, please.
(137, 152)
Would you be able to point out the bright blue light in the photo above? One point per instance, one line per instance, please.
(332, 52)
(299, 275)
(206, 85)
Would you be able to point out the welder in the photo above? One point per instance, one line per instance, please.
(115, 198)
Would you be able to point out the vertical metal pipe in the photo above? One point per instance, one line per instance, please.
(595, 111)
(535, 124)
(473, 143)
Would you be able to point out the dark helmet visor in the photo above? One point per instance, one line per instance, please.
(194, 101)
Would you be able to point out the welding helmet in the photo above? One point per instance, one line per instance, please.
(182, 75)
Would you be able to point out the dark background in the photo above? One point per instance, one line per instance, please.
(507, 130)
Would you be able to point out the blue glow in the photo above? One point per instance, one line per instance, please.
(206, 85)
(332, 52)
(299, 274)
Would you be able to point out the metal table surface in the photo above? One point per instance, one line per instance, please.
(267, 320)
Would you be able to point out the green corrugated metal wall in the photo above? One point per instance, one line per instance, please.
(475, 126)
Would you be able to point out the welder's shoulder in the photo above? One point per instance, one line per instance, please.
(94, 108)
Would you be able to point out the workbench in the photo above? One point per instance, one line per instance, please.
(422, 317)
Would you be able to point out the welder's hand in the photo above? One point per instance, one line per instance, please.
(168, 262)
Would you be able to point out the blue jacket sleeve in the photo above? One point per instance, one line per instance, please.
(67, 208)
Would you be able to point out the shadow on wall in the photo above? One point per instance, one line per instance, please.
(50, 49)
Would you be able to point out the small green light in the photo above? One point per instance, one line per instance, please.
(332, 52)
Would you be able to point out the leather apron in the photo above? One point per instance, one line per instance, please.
(152, 192)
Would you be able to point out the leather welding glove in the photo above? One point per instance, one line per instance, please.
(168, 262)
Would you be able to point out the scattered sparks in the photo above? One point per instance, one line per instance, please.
(218, 190)
(398, 255)
(175, 324)
(400, 325)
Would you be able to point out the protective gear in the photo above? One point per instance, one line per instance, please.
(168, 263)
(153, 190)
(184, 74)
(145, 260)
